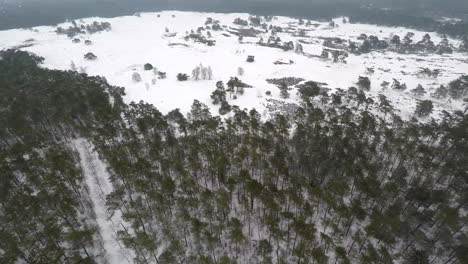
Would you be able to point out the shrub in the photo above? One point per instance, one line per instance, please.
(90, 56)
(424, 108)
(182, 77)
(136, 77)
(162, 75)
(148, 67)
(240, 71)
(309, 89)
(364, 83)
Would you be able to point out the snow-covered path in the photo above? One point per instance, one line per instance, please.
(97, 180)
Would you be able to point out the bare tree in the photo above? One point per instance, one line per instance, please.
(203, 72)
(196, 73)
(210, 73)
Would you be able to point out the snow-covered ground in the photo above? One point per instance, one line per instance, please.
(99, 185)
(136, 40)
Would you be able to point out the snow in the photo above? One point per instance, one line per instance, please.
(134, 41)
(97, 180)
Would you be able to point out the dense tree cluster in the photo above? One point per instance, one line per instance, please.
(332, 183)
(241, 22)
(369, 44)
(76, 29)
(199, 38)
(406, 45)
(396, 17)
(45, 213)
(275, 42)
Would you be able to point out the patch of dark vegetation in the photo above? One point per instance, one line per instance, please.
(335, 43)
(182, 77)
(76, 29)
(245, 32)
(277, 44)
(241, 22)
(178, 44)
(250, 59)
(405, 45)
(334, 55)
(280, 62)
(288, 81)
(398, 17)
(90, 56)
(428, 73)
(200, 39)
(286, 109)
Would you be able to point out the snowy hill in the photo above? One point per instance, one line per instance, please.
(160, 39)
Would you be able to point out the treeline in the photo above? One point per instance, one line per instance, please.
(332, 183)
(398, 18)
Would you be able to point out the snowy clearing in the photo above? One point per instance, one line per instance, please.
(158, 39)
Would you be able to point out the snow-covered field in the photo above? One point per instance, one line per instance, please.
(136, 40)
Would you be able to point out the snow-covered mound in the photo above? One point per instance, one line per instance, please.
(163, 40)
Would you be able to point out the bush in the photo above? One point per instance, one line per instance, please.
(309, 89)
(458, 89)
(136, 77)
(182, 77)
(225, 108)
(241, 22)
(424, 108)
(240, 71)
(148, 67)
(364, 83)
(218, 95)
(162, 75)
(250, 58)
(90, 56)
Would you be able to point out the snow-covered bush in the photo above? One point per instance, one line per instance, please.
(240, 71)
(136, 77)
